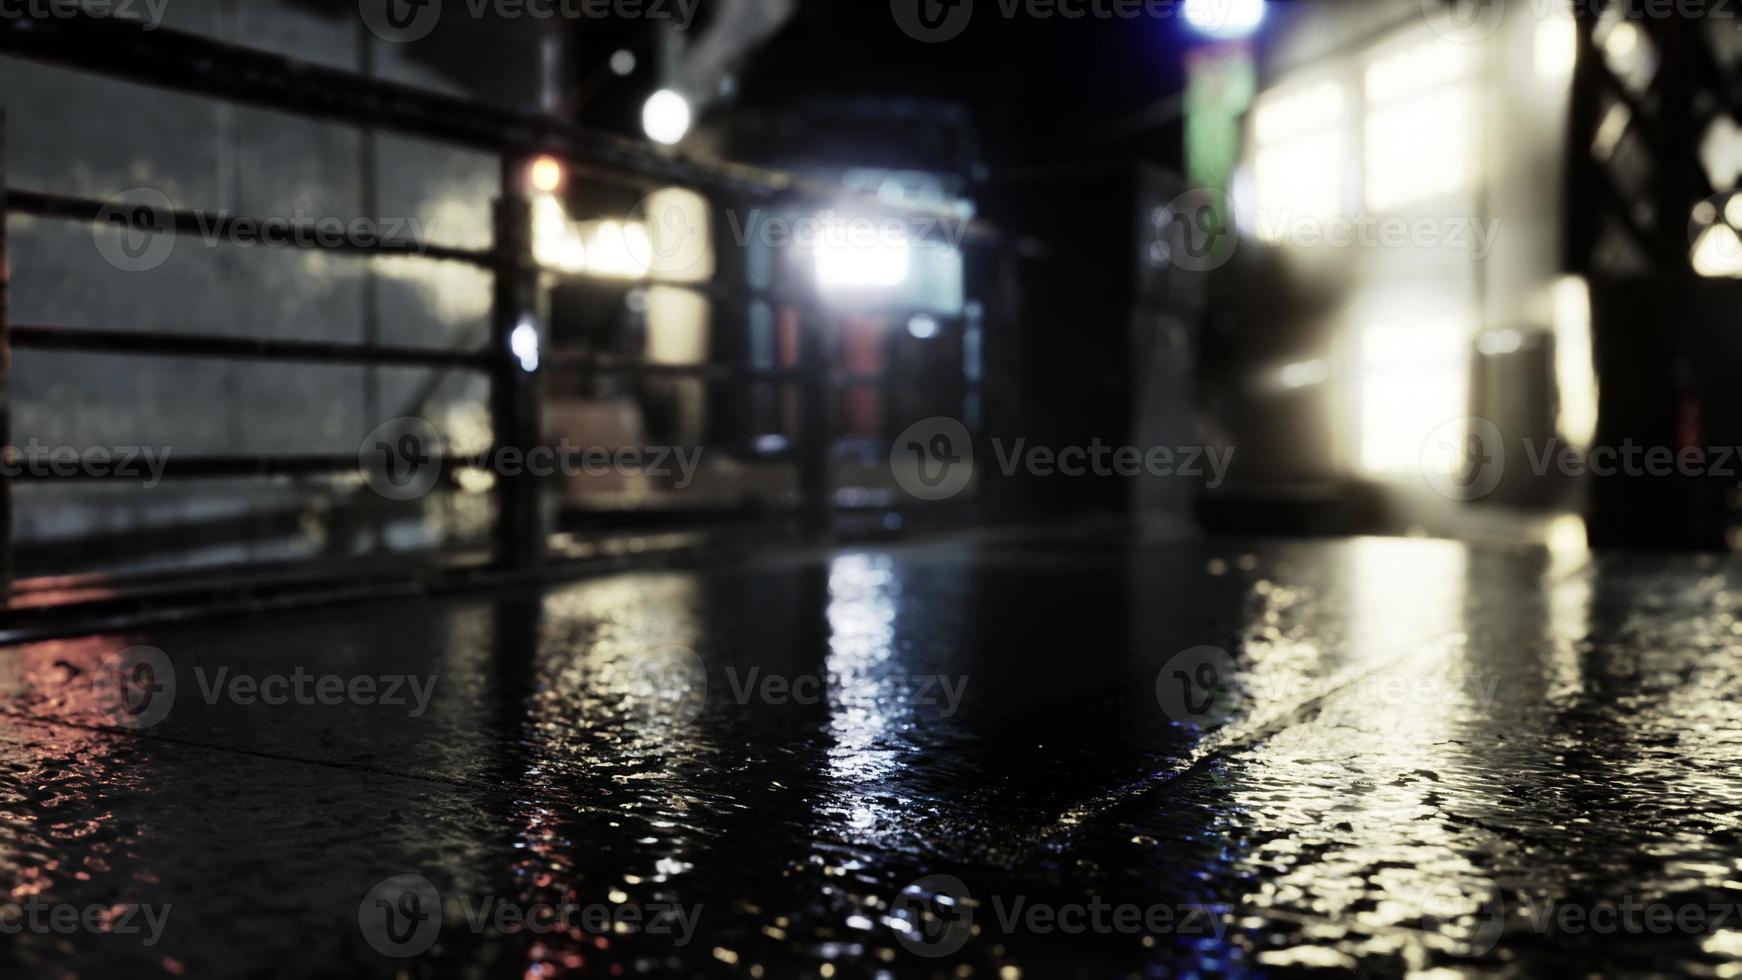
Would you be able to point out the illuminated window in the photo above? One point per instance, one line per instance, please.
(1301, 137)
(1421, 124)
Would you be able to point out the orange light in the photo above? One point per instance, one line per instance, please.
(547, 174)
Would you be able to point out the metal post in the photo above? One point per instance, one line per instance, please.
(514, 392)
(816, 435)
(1579, 212)
(5, 378)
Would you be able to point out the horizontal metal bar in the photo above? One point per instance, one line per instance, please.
(615, 364)
(225, 227)
(714, 289)
(187, 62)
(177, 467)
(55, 338)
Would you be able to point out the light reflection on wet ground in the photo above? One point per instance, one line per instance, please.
(1434, 752)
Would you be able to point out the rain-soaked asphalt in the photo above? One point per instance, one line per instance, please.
(986, 759)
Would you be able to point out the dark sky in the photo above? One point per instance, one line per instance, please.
(1033, 86)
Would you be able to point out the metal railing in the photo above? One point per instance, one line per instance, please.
(171, 60)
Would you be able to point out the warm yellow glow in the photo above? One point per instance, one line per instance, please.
(546, 174)
(1614, 126)
(1557, 47)
(677, 226)
(1733, 210)
(1621, 44)
(618, 249)
(668, 241)
(1414, 378)
(1566, 540)
(1575, 374)
(1718, 253)
(677, 326)
(555, 242)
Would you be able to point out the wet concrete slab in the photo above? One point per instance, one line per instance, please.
(999, 758)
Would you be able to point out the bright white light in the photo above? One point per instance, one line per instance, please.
(922, 327)
(1718, 253)
(1224, 18)
(1495, 342)
(1414, 377)
(1557, 48)
(1298, 171)
(1733, 210)
(1421, 124)
(665, 117)
(618, 249)
(1295, 113)
(1303, 374)
(523, 342)
(858, 258)
(1575, 372)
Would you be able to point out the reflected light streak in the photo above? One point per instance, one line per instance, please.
(1376, 855)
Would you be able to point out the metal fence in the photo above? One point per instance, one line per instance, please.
(170, 60)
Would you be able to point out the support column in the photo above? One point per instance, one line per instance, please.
(514, 378)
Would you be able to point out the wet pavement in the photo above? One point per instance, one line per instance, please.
(1005, 758)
